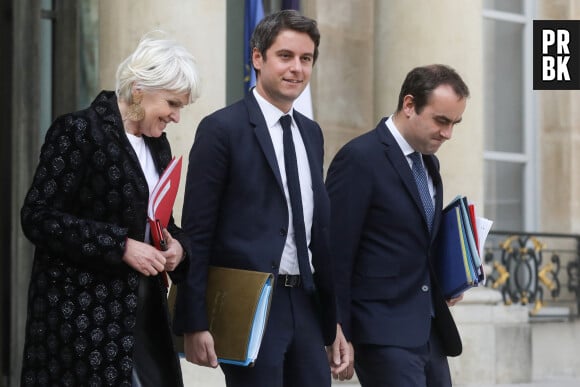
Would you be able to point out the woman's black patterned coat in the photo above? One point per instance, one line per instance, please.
(87, 197)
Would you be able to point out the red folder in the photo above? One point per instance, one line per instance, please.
(161, 203)
(473, 219)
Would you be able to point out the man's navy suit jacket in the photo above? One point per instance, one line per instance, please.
(235, 211)
(382, 246)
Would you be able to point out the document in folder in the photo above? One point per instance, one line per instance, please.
(238, 303)
(458, 264)
(161, 202)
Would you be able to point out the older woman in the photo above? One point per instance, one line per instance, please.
(97, 311)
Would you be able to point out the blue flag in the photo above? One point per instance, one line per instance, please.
(254, 12)
(291, 4)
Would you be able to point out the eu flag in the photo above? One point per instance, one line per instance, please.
(254, 12)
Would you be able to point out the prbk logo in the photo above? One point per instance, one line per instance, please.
(557, 54)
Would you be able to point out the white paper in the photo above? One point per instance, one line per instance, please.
(483, 228)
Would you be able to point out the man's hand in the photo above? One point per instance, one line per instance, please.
(455, 300)
(199, 349)
(339, 355)
(348, 373)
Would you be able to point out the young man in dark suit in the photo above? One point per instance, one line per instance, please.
(243, 209)
(383, 228)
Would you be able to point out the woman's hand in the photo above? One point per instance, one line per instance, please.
(174, 253)
(143, 257)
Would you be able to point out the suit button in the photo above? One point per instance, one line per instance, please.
(425, 288)
(283, 232)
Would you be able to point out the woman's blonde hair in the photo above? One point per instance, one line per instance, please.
(158, 64)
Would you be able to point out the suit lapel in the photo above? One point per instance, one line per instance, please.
(264, 140)
(399, 163)
(401, 166)
(315, 166)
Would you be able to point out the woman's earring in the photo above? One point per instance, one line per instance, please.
(136, 111)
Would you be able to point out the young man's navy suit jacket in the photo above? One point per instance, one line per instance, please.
(235, 211)
(382, 246)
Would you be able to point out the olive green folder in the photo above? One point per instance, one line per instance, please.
(238, 303)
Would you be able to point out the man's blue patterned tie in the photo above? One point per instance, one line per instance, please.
(421, 179)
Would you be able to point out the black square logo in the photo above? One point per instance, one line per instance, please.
(556, 54)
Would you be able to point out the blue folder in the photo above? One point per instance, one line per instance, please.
(457, 263)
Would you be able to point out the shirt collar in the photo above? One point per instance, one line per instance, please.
(271, 113)
(403, 144)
